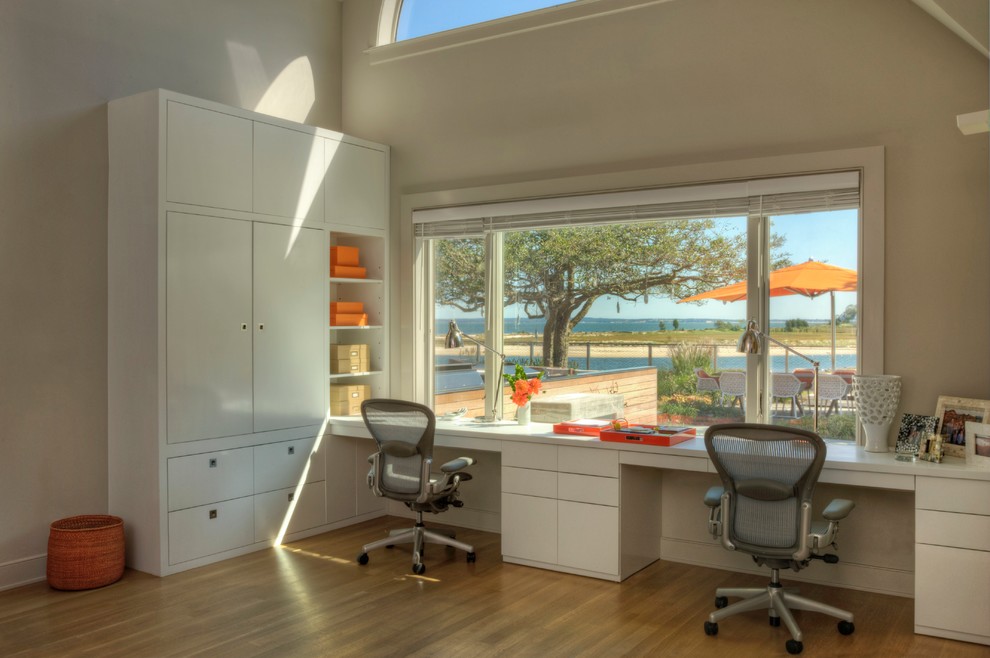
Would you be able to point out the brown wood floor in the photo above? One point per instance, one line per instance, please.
(310, 598)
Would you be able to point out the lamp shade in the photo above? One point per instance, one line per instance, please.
(453, 337)
(749, 342)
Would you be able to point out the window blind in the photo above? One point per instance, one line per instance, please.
(770, 196)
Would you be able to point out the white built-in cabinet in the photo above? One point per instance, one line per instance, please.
(952, 558)
(219, 230)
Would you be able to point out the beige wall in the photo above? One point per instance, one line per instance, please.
(60, 62)
(688, 82)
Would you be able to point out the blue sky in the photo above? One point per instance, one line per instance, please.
(421, 17)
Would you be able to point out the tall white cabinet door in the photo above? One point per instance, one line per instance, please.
(355, 185)
(288, 173)
(290, 312)
(208, 160)
(208, 321)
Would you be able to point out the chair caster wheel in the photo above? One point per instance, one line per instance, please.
(362, 559)
(721, 601)
(419, 569)
(711, 628)
(471, 557)
(794, 647)
(774, 621)
(846, 627)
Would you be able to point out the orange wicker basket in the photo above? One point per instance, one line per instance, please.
(85, 552)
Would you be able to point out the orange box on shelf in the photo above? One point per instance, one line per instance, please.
(345, 256)
(349, 320)
(346, 307)
(348, 272)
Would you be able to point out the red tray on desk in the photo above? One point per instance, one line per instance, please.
(664, 435)
(583, 426)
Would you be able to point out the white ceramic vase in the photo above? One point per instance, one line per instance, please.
(522, 414)
(876, 404)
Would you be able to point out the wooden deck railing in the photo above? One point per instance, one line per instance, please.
(637, 385)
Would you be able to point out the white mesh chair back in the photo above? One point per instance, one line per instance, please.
(706, 383)
(785, 385)
(831, 387)
(768, 470)
(404, 434)
(732, 383)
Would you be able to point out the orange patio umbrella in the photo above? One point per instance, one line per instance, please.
(810, 279)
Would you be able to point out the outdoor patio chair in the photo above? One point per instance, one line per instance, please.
(785, 386)
(831, 389)
(733, 386)
(706, 383)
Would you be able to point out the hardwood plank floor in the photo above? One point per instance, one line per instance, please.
(310, 598)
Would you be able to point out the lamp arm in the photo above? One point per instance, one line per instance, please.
(498, 380)
(487, 347)
(790, 349)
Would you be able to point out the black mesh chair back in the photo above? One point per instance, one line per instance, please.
(770, 471)
(404, 434)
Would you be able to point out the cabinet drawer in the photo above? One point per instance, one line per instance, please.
(951, 495)
(529, 455)
(952, 529)
(529, 482)
(588, 462)
(588, 489)
(529, 528)
(280, 465)
(588, 537)
(210, 477)
(271, 510)
(201, 531)
(952, 589)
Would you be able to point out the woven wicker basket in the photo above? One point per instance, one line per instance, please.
(85, 552)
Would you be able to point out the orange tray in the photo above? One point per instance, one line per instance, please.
(666, 436)
(583, 426)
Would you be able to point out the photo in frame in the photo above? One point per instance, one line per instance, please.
(930, 448)
(914, 429)
(978, 444)
(953, 414)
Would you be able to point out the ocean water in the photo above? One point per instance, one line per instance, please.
(475, 326)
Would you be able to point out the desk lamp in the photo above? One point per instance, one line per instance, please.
(455, 338)
(749, 343)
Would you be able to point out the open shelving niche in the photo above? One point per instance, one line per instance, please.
(373, 293)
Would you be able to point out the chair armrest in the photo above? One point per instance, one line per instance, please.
(713, 497)
(838, 509)
(456, 464)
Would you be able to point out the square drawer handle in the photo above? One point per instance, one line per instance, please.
(292, 450)
(213, 462)
(213, 514)
(292, 495)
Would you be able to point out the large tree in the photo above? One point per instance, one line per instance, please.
(558, 274)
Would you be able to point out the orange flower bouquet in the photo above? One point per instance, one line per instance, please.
(523, 388)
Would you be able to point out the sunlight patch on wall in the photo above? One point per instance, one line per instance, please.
(290, 95)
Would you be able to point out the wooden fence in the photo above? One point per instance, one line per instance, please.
(637, 385)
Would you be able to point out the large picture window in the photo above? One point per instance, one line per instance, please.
(644, 294)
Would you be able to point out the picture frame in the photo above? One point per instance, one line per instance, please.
(930, 448)
(914, 429)
(978, 444)
(953, 414)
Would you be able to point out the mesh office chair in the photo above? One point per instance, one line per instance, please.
(400, 470)
(763, 508)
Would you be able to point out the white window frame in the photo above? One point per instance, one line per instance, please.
(869, 161)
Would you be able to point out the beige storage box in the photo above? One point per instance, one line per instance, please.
(346, 400)
(569, 406)
(349, 358)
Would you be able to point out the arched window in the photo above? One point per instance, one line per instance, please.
(407, 19)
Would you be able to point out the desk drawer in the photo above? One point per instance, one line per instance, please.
(529, 455)
(588, 489)
(952, 495)
(952, 529)
(271, 509)
(588, 461)
(529, 482)
(280, 465)
(201, 531)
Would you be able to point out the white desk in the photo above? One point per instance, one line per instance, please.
(604, 509)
